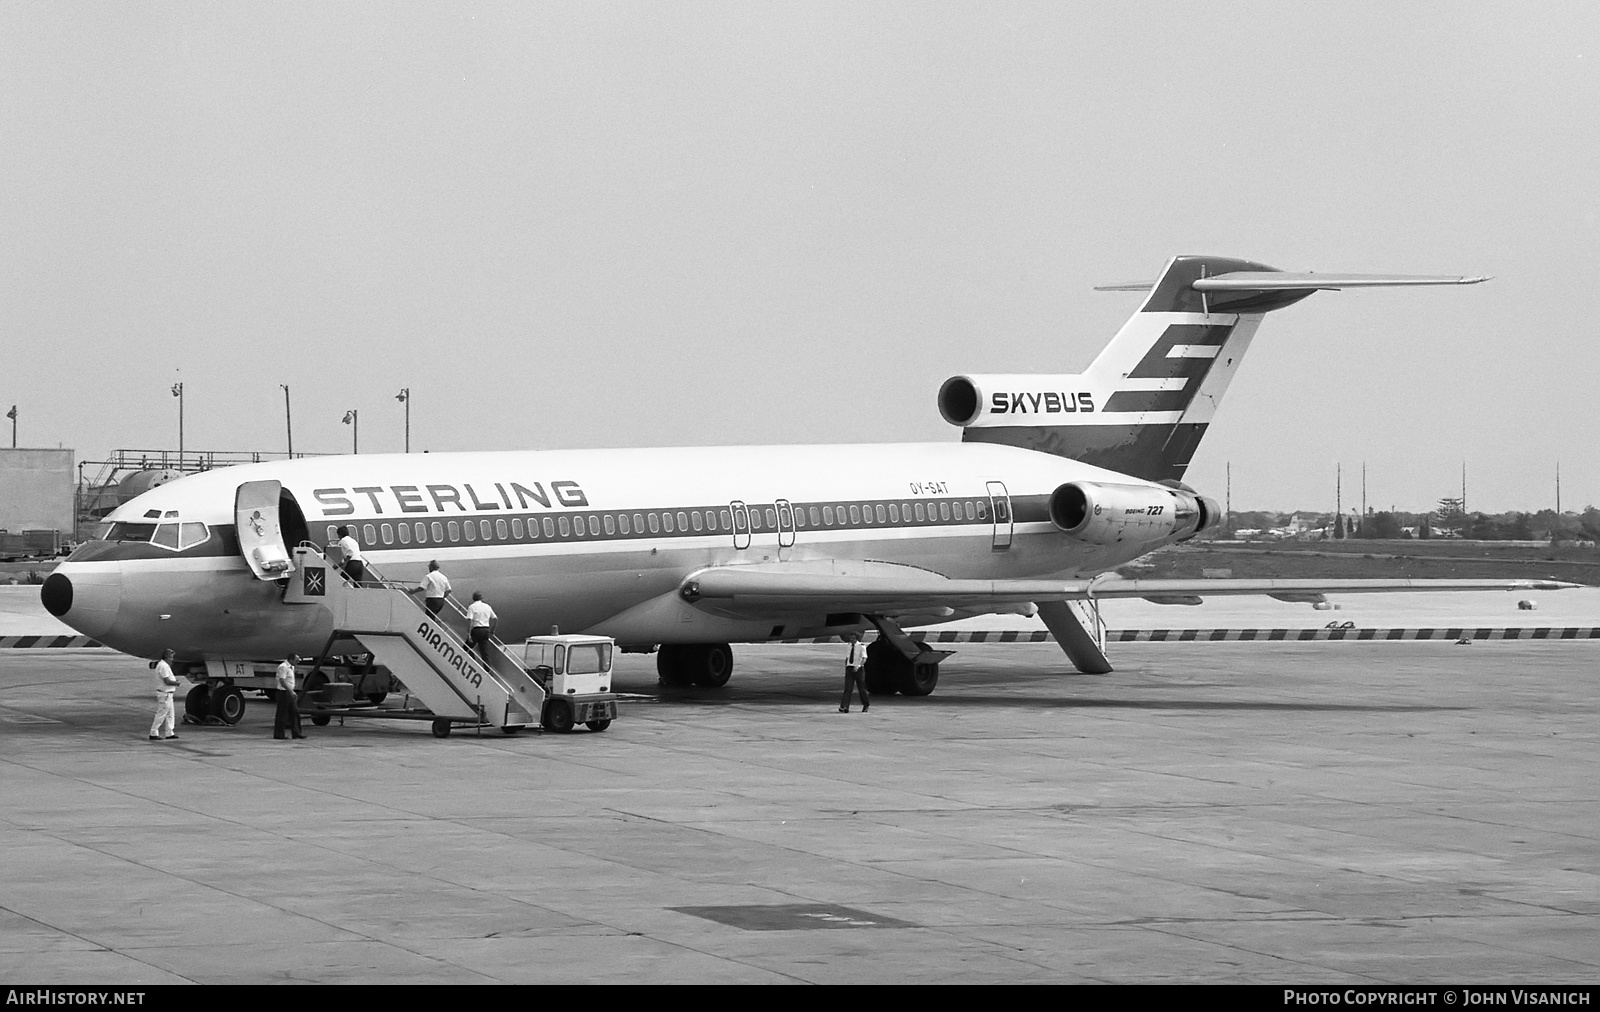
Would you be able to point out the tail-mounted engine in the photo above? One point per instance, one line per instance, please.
(1106, 514)
(970, 401)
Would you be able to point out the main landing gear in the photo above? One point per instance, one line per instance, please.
(708, 665)
(889, 671)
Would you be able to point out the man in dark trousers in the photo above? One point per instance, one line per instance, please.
(854, 675)
(286, 721)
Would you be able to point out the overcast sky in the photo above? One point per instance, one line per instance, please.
(592, 224)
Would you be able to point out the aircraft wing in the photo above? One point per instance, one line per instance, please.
(741, 591)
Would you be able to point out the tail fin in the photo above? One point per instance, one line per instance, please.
(1144, 403)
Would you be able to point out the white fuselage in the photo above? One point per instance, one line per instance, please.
(589, 541)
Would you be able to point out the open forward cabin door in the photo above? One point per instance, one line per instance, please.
(256, 514)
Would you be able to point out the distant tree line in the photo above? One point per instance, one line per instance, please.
(1449, 520)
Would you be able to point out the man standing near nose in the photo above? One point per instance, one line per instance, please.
(166, 685)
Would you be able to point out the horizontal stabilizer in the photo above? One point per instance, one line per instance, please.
(1279, 281)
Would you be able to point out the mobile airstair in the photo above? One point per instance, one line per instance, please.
(428, 652)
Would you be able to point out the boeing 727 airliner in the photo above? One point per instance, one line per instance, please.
(1057, 481)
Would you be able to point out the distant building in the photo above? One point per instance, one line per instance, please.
(36, 489)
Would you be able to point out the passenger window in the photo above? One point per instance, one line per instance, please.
(549, 528)
(922, 513)
(610, 524)
(772, 518)
(726, 516)
(755, 519)
(622, 523)
(799, 517)
(438, 532)
(483, 528)
(666, 522)
(683, 521)
(827, 515)
(972, 512)
(894, 513)
(694, 520)
(594, 525)
(455, 531)
(855, 515)
(944, 511)
(369, 534)
(388, 534)
(421, 532)
(883, 517)
(193, 534)
(816, 516)
(566, 527)
(516, 528)
(500, 529)
(404, 530)
(577, 526)
(983, 510)
(655, 524)
(333, 535)
(470, 529)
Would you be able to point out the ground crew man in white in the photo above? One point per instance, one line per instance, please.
(481, 621)
(434, 588)
(355, 567)
(286, 721)
(166, 685)
(854, 677)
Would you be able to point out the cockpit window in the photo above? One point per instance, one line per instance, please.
(174, 536)
(131, 532)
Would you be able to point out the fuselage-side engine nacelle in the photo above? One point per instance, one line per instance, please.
(1105, 514)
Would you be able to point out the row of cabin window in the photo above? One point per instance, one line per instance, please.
(683, 521)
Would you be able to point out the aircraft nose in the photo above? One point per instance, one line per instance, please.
(86, 601)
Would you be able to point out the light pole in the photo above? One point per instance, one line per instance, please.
(288, 420)
(177, 391)
(352, 418)
(404, 397)
(12, 414)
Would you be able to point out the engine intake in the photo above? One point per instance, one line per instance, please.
(1102, 513)
(1015, 400)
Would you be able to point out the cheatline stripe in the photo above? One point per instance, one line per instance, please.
(1246, 635)
(48, 641)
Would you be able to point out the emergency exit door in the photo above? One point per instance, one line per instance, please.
(1000, 509)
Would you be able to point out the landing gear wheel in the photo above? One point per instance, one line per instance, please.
(920, 680)
(226, 704)
(510, 729)
(713, 665)
(558, 716)
(671, 666)
(441, 727)
(880, 668)
(598, 725)
(376, 698)
(321, 720)
(198, 702)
